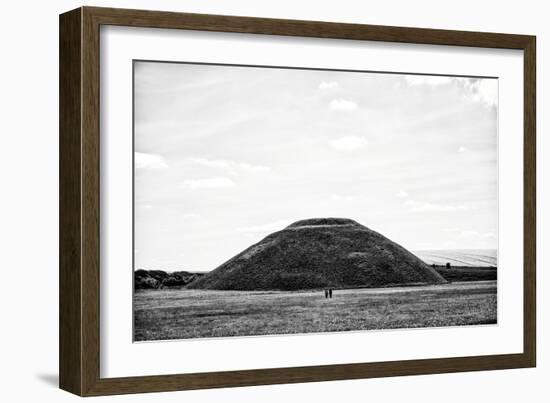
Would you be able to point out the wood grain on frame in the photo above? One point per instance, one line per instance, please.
(79, 201)
(70, 274)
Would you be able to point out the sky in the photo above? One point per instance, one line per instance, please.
(225, 155)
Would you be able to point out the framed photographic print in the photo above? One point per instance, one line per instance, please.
(248, 201)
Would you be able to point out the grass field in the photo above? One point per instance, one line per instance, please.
(182, 314)
(467, 273)
(459, 257)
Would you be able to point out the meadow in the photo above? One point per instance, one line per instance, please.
(185, 313)
(459, 257)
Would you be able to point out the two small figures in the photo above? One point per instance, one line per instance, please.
(328, 292)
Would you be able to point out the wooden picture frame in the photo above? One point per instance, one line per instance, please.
(79, 281)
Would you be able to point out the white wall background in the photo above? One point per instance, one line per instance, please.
(29, 198)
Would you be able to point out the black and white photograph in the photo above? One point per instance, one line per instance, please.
(270, 200)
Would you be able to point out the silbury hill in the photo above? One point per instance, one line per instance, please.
(320, 253)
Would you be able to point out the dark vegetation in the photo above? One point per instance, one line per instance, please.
(319, 253)
(157, 279)
(466, 273)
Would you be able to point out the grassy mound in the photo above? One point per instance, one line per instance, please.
(317, 253)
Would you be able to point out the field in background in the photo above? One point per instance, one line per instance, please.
(465, 264)
(181, 314)
(459, 257)
(467, 273)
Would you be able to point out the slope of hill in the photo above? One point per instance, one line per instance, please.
(317, 253)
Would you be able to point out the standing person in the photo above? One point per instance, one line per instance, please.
(330, 292)
(326, 293)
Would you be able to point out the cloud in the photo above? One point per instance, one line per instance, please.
(476, 235)
(402, 194)
(481, 90)
(433, 81)
(327, 85)
(348, 143)
(208, 183)
(451, 229)
(343, 105)
(231, 166)
(337, 197)
(471, 239)
(421, 207)
(149, 161)
(269, 227)
(462, 149)
(484, 91)
(191, 215)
